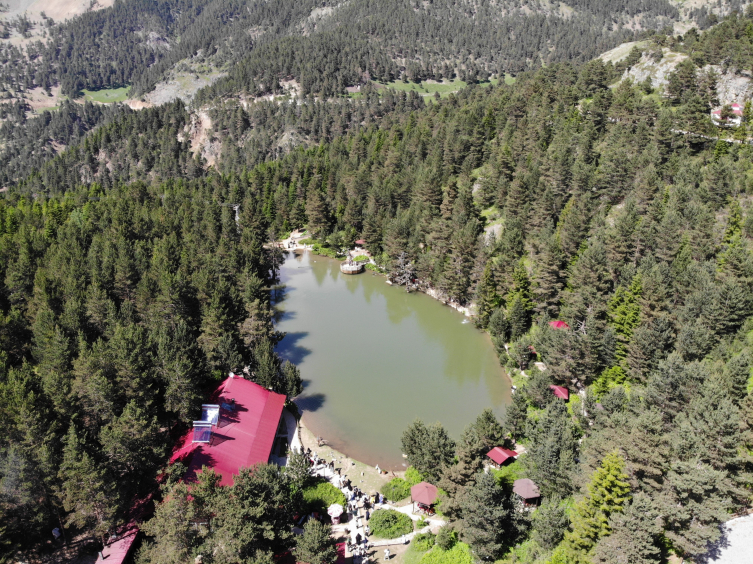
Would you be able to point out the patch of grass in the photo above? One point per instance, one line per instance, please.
(413, 555)
(509, 473)
(52, 109)
(445, 88)
(458, 554)
(107, 95)
(509, 79)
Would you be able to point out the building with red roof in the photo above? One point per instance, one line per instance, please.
(238, 429)
(501, 455)
(560, 391)
(735, 116)
(558, 325)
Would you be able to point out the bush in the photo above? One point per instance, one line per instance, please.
(458, 554)
(447, 537)
(412, 476)
(424, 541)
(359, 258)
(396, 489)
(390, 524)
(320, 496)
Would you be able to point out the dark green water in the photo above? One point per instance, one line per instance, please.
(374, 358)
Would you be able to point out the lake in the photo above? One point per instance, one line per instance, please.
(374, 358)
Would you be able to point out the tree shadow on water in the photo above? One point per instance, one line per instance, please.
(310, 402)
(289, 349)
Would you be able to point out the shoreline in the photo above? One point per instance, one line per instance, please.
(433, 293)
(360, 473)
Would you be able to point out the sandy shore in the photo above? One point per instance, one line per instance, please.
(365, 477)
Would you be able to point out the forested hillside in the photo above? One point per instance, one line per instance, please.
(127, 287)
(119, 307)
(324, 46)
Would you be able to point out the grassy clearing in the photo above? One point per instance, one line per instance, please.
(108, 95)
(427, 89)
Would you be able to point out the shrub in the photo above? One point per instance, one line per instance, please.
(424, 541)
(359, 258)
(458, 554)
(396, 489)
(412, 476)
(319, 496)
(447, 537)
(421, 523)
(390, 524)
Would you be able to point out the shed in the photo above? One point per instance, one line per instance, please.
(501, 455)
(527, 490)
(560, 391)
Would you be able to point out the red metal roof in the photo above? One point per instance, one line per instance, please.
(560, 391)
(501, 455)
(360, 242)
(526, 489)
(558, 325)
(242, 438)
(117, 551)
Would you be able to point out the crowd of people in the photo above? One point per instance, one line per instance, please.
(357, 511)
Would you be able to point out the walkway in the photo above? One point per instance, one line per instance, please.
(352, 525)
(736, 544)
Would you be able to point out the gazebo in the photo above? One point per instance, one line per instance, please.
(425, 495)
(500, 455)
(560, 392)
(527, 490)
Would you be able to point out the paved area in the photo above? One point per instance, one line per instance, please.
(736, 544)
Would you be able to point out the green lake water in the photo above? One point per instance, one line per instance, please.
(374, 358)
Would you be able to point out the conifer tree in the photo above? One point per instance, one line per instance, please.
(316, 545)
(608, 493)
(88, 493)
(488, 518)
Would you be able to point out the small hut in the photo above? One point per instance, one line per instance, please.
(425, 495)
(560, 392)
(527, 491)
(501, 456)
